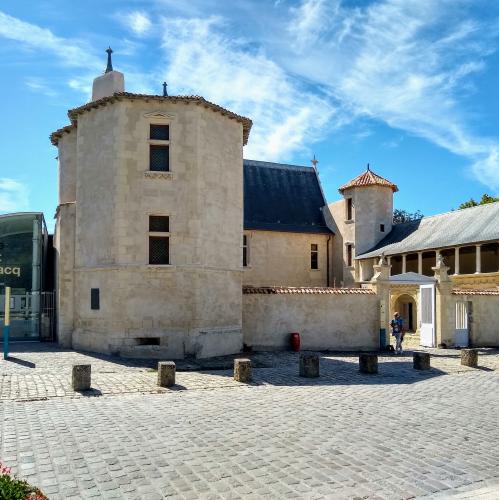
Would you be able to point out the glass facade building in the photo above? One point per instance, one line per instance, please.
(23, 259)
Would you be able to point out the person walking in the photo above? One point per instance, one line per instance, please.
(397, 325)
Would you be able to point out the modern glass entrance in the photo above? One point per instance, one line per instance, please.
(23, 248)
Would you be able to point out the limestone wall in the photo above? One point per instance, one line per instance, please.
(282, 258)
(484, 320)
(483, 281)
(343, 233)
(67, 167)
(338, 320)
(193, 305)
(64, 246)
(372, 206)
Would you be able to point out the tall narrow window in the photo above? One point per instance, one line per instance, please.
(159, 239)
(314, 256)
(94, 298)
(349, 209)
(245, 251)
(382, 228)
(349, 255)
(159, 148)
(159, 158)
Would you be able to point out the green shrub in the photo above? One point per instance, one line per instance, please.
(12, 488)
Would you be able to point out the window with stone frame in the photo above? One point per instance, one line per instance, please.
(159, 147)
(314, 256)
(159, 239)
(349, 251)
(349, 209)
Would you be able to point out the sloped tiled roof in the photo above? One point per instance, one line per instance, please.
(279, 197)
(368, 178)
(461, 227)
(283, 290)
(459, 291)
(118, 96)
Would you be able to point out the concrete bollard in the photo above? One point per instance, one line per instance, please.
(81, 378)
(242, 370)
(309, 365)
(469, 357)
(368, 363)
(166, 373)
(421, 361)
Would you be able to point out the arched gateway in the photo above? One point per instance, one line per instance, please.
(412, 295)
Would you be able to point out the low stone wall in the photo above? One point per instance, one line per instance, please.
(340, 319)
(484, 331)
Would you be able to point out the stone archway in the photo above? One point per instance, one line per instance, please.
(406, 305)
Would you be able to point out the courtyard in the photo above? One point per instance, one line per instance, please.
(396, 435)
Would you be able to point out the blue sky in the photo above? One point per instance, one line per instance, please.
(410, 86)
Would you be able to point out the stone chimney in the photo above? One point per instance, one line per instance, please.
(110, 82)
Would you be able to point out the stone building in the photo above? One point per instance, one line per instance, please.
(162, 228)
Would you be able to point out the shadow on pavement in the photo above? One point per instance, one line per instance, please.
(27, 364)
(340, 372)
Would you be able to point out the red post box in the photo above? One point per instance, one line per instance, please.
(294, 340)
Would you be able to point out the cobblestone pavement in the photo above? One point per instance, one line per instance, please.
(43, 371)
(397, 435)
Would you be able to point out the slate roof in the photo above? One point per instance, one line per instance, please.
(119, 96)
(461, 227)
(411, 278)
(368, 178)
(279, 197)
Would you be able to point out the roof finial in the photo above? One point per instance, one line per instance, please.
(109, 67)
(314, 162)
(165, 92)
(368, 168)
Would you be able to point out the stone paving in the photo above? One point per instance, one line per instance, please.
(397, 435)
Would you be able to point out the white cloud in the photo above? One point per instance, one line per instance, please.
(486, 168)
(70, 52)
(41, 86)
(204, 61)
(138, 22)
(310, 20)
(405, 62)
(14, 196)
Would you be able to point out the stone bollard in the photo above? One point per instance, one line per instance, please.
(309, 365)
(81, 379)
(469, 357)
(368, 363)
(421, 361)
(166, 373)
(242, 370)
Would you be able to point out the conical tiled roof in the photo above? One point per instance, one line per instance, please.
(368, 178)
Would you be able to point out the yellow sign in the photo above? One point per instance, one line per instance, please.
(7, 306)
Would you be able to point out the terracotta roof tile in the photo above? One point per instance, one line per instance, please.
(280, 290)
(460, 291)
(368, 178)
(118, 96)
(55, 136)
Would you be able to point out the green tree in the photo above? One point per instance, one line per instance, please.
(400, 216)
(486, 198)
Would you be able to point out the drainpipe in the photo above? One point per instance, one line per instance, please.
(327, 261)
